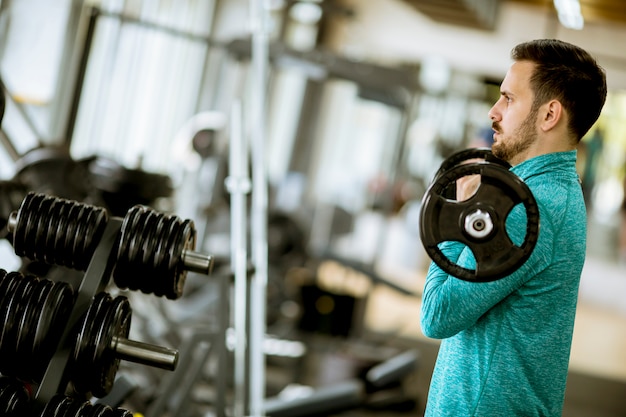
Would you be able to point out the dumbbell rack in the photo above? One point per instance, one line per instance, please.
(76, 235)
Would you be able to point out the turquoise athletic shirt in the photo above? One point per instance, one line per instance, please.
(506, 344)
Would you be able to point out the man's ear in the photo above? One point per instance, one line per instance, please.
(551, 114)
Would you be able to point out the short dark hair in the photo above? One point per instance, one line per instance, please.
(569, 74)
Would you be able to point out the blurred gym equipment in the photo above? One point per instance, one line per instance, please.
(2, 102)
(60, 339)
(52, 170)
(121, 188)
(378, 389)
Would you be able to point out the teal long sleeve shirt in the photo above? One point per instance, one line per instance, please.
(506, 344)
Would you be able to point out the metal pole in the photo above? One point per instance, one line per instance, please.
(238, 185)
(93, 14)
(258, 286)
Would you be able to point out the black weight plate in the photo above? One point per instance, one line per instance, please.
(464, 156)
(84, 348)
(116, 324)
(81, 231)
(101, 343)
(143, 259)
(7, 287)
(24, 220)
(39, 230)
(55, 311)
(467, 154)
(180, 237)
(13, 396)
(10, 364)
(125, 246)
(58, 216)
(96, 220)
(442, 219)
(170, 272)
(161, 279)
(31, 360)
(71, 232)
(159, 264)
(99, 410)
(55, 407)
(36, 309)
(127, 264)
(98, 345)
(72, 407)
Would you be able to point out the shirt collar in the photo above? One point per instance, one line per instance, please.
(557, 161)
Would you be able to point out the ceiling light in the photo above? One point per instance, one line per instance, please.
(569, 13)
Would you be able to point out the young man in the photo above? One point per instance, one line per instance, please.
(506, 344)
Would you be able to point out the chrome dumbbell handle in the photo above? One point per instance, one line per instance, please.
(197, 262)
(144, 353)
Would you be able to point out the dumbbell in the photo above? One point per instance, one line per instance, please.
(480, 221)
(152, 253)
(33, 316)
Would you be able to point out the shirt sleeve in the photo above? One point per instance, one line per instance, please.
(450, 305)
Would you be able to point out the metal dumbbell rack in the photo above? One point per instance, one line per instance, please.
(81, 333)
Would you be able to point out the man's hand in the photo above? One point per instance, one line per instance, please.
(467, 186)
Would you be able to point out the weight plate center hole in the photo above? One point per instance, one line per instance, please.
(478, 224)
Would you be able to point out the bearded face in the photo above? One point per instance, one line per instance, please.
(514, 116)
(508, 146)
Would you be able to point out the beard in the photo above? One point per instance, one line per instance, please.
(509, 147)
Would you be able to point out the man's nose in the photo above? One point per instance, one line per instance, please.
(493, 114)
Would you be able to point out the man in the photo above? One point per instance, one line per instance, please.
(506, 344)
